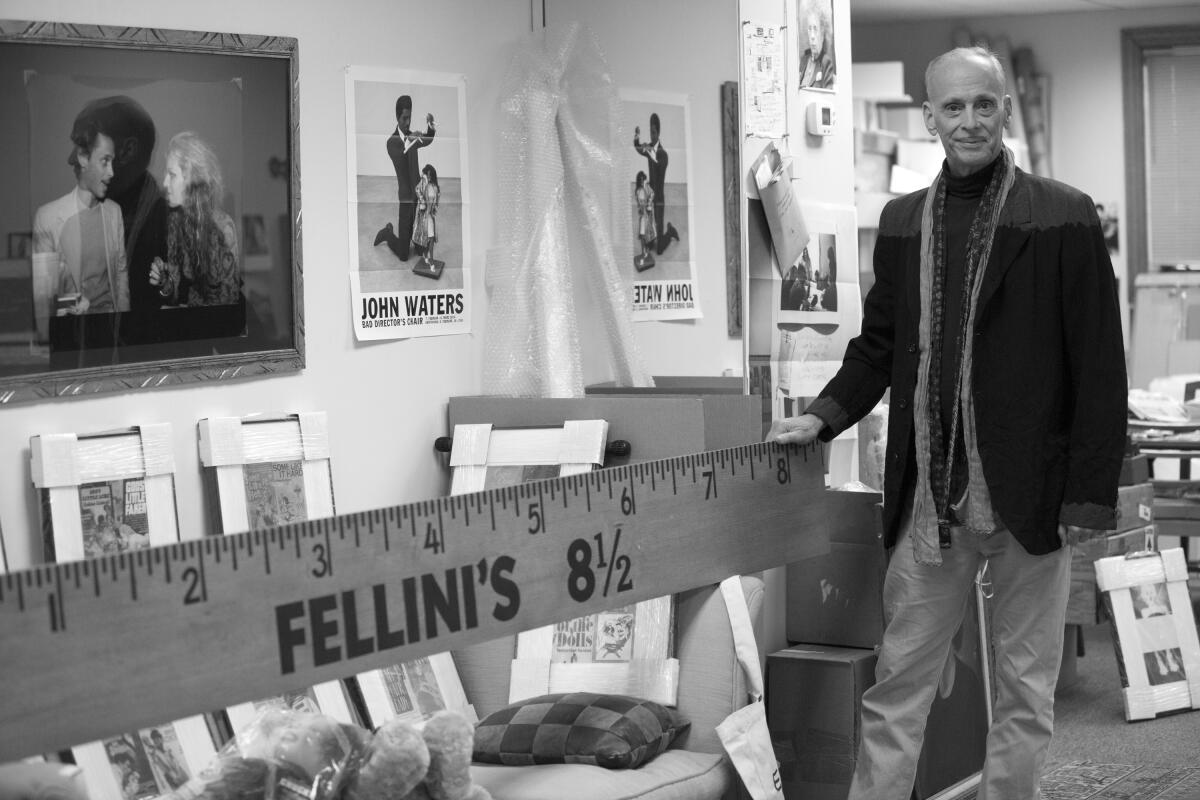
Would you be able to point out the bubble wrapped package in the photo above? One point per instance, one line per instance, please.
(295, 755)
(566, 205)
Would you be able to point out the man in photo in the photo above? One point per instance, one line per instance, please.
(994, 322)
(86, 229)
(163, 761)
(136, 191)
(656, 169)
(402, 148)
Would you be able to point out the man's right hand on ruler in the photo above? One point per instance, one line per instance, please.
(795, 430)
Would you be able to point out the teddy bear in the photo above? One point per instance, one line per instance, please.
(288, 755)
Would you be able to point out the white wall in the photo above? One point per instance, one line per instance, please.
(386, 401)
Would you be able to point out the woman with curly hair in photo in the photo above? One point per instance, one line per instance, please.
(203, 266)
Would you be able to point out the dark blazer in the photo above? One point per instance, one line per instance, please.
(1049, 373)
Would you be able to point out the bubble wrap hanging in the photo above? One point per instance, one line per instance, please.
(563, 204)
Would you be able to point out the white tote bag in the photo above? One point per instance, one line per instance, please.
(744, 733)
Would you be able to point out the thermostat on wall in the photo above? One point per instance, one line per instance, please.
(820, 118)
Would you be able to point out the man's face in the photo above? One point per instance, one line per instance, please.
(405, 119)
(814, 35)
(968, 108)
(96, 167)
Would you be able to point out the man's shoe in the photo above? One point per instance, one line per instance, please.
(383, 234)
(671, 232)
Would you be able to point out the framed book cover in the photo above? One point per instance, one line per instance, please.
(144, 764)
(1154, 631)
(620, 651)
(260, 472)
(414, 690)
(114, 492)
(107, 492)
(329, 698)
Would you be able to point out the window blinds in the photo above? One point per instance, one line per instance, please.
(1172, 82)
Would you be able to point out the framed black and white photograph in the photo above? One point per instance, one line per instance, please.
(1155, 637)
(134, 156)
(410, 204)
(812, 51)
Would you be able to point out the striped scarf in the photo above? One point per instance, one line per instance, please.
(932, 515)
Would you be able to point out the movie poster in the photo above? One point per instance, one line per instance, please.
(408, 203)
(659, 257)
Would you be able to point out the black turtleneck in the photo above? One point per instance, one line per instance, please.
(962, 201)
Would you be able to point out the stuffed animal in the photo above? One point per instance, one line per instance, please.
(289, 755)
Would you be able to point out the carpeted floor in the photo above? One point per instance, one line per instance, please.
(1090, 780)
(1089, 717)
(1097, 755)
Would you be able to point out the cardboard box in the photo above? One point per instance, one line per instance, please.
(876, 141)
(907, 122)
(1135, 506)
(878, 80)
(813, 711)
(656, 426)
(872, 172)
(1135, 469)
(1083, 602)
(837, 599)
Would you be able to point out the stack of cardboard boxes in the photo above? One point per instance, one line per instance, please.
(1135, 531)
(834, 623)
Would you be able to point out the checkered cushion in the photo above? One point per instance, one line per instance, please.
(605, 730)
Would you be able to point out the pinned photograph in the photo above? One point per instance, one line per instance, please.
(1164, 666)
(813, 48)
(809, 292)
(1150, 600)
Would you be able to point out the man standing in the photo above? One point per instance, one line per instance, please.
(85, 229)
(135, 190)
(656, 168)
(994, 321)
(402, 148)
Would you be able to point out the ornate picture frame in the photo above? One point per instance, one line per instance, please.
(221, 312)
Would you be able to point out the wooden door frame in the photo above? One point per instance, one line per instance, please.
(1134, 44)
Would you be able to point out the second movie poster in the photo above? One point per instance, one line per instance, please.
(658, 166)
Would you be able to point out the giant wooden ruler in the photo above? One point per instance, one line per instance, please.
(92, 648)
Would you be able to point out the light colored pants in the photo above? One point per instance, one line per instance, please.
(923, 606)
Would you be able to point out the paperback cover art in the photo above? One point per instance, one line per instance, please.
(299, 700)
(147, 764)
(275, 493)
(603, 637)
(498, 476)
(113, 516)
(413, 688)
